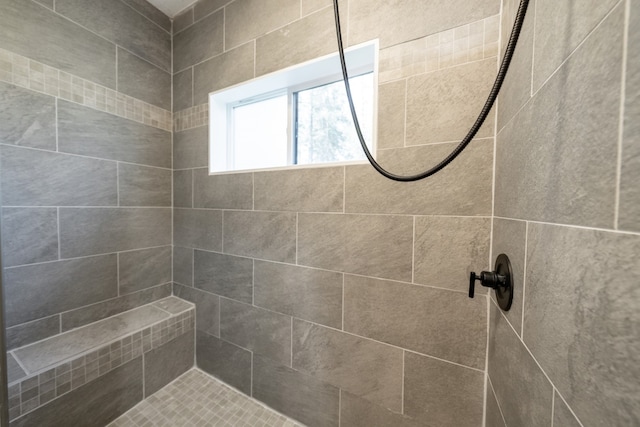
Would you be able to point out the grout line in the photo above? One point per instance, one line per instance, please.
(578, 227)
(524, 276)
(486, 363)
(553, 404)
(339, 407)
(495, 397)
(623, 86)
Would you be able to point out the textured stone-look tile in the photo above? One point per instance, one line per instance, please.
(29, 235)
(452, 100)
(226, 275)
(378, 246)
(173, 305)
(143, 269)
(493, 416)
(183, 90)
(310, 6)
(233, 191)
(197, 228)
(305, 39)
(247, 19)
(629, 210)
(27, 118)
(461, 188)
(365, 368)
(67, 284)
(391, 114)
(358, 412)
(562, 415)
(47, 3)
(117, 23)
(143, 80)
(301, 190)
(442, 393)
(151, 12)
(294, 393)
(37, 33)
(183, 189)
(232, 67)
(575, 329)
(183, 20)
(561, 149)
(264, 235)
(560, 28)
(261, 331)
(446, 248)
(100, 401)
(87, 231)
(204, 7)
(509, 238)
(101, 310)
(14, 371)
(453, 328)
(305, 293)
(190, 148)
(167, 362)
(143, 186)
(207, 308)
(93, 133)
(224, 360)
(39, 178)
(26, 333)
(183, 265)
(198, 42)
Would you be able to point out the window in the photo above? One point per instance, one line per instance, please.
(298, 116)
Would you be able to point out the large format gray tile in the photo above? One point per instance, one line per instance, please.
(522, 390)
(493, 416)
(143, 186)
(151, 12)
(167, 362)
(394, 22)
(391, 114)
(67, 284)
(27, 118)
(224, 70)
(366, 368)
(197, 228)
(36, 330)
(116, 22)
(101, 310)
(294, 393)
(224, 360)
(301, 190)
(87, 231)
(198, 42)
(562, 415)
(39, 178)
(447, 247)
(379, 246)
(261, 331)
(39, 34)
(143, 269)
(100, 401)
(305, 293)
(182, 20)
(183, 189)
(310, 6)
(190, 148)
(183, 265)
(561, 149)
(143, 80)
(183, 90)
(265, 235)
(204, 7)
(247, 19)
(441, 393)
(225, 275)
(453, 328)
(462, 188)
(233, 191)
(207, 308)
(358, 412)
(29, 235)
(575, 329)
(82, 130)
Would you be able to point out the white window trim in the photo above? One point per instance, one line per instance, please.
(326, 69)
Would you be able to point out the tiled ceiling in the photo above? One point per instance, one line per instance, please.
(171, 7)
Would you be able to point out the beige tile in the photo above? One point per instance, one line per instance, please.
(247, 19)
(391, 114)
(310, 6)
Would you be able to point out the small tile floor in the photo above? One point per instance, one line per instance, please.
(197, 399)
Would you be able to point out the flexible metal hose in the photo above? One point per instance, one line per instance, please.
(502, 72)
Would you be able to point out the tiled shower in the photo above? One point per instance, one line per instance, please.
(332, 295)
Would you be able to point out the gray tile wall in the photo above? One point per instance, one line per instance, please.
(86, 194)
(566, 211)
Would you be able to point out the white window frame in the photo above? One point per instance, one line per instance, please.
(360, 59)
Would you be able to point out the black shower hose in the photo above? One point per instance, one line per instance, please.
(502, 72)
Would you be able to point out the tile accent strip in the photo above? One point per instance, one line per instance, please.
(32, 392)
(191, 117)
(30, 74)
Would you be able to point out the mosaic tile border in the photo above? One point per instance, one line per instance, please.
(191, 118)
(30, 393)
(467, 43)
(30, 74)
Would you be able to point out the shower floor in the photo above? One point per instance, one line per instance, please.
(196, 399)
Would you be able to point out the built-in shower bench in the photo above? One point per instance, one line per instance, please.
(101, 369)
